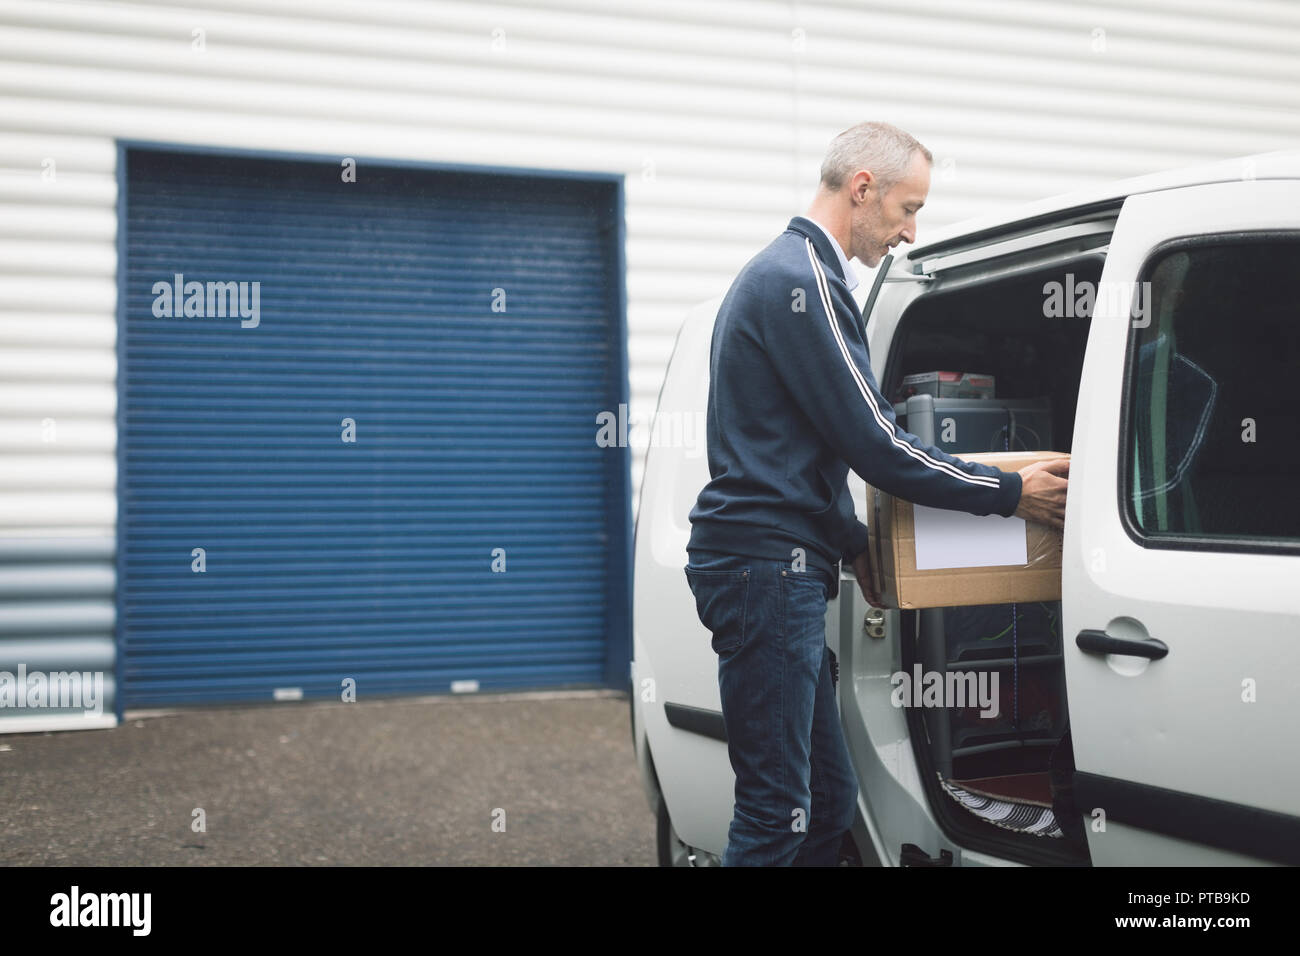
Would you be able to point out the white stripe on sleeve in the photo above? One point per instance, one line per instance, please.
(823, 288)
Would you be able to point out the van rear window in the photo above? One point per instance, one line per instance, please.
(1213, 382)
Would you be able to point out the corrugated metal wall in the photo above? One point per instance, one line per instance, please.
(718, 113)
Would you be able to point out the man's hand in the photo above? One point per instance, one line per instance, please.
(1043, 488)
(862, 571)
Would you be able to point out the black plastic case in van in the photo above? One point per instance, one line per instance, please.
(1021, 642)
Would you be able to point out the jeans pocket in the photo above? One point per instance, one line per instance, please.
(721, 599)
(803, 601)
(807, 581)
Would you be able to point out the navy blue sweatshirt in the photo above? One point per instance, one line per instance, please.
(793, 405)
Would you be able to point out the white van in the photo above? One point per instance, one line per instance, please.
(1152, 331)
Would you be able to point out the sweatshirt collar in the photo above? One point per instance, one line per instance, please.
(828, 249)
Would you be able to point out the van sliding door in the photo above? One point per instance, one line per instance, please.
(1182, 542)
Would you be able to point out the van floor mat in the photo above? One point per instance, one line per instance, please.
(1008, 814)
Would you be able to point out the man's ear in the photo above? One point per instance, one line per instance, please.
(862, 185)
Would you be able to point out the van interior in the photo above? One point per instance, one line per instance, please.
(1001, 785)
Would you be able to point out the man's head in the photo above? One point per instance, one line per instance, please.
(875, 177)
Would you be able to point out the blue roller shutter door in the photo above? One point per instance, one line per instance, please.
(469, 327)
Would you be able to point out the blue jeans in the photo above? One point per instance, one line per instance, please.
(796, 792)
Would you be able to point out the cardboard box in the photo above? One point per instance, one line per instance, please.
(946, 385)
(962, 557)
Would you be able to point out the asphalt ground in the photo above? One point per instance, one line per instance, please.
(482, 780)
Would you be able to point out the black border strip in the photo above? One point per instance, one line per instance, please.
(698, 720)
(1265, 834)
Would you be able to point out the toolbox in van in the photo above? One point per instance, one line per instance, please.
(975, 385)
(959, 425)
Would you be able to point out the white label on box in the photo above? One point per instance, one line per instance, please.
(955, 539)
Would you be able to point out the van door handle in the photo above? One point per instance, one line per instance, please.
(1099, 642)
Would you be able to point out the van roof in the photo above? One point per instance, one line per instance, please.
(1101, 201)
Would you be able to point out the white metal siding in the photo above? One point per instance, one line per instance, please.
(718, 112)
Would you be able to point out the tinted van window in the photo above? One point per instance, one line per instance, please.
(1213, 393)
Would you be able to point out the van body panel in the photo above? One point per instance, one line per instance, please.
(1179, 723)
(673, 661)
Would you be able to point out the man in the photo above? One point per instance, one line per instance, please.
(793, 405)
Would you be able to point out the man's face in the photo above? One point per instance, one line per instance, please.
(882, 221)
